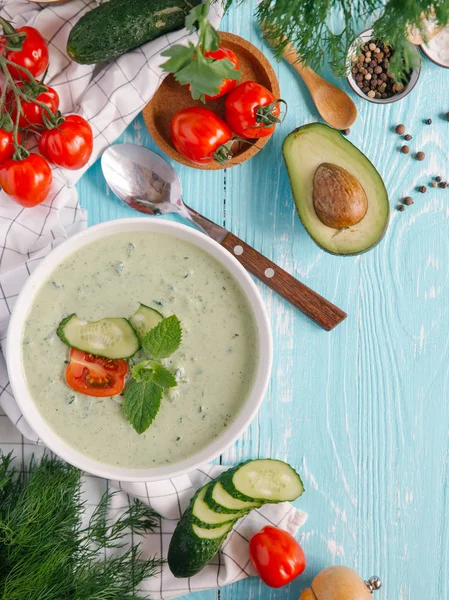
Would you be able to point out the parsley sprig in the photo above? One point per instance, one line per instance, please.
(143, 393)
(189, 64)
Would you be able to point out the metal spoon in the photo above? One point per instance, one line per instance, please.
(148, 183)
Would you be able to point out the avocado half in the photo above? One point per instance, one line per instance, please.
(304, 150)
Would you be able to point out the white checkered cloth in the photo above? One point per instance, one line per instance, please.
(109, 97)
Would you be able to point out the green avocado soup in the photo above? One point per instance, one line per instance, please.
(215, 365)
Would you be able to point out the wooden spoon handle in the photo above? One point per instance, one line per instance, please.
(317, 308)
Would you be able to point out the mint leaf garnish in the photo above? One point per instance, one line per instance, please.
(143, 371)
(141, 403)
(164, 339)
(143, 394)
(162, 376)
(150, 370)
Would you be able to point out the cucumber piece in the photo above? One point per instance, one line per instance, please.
(218, 499)
(117, 26)
(145, 319)
(112, 338)
(264, 480)
(192, 547)
(206, 517)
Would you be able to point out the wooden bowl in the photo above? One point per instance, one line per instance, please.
(172, 97)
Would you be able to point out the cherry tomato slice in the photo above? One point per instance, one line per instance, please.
(276, 556)
(70, 144)
(200, 135)
(31, 113)
(6, 145)
(33, 56)
(94, 375)
(250, 110)
(27, 181)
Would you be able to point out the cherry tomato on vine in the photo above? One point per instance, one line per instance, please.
(6, 145)
(31, 113)
(94, 375)
(201, 136)
(252, 111)
(33, 56)
(227, 84)
(27, 181)
(276, 556)
(68, 145)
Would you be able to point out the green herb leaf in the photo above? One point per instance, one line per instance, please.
(179, 57)
(141, 403)
(143, 371)
(162, 376)
(150, 370)
(164, 339)
(196, 20)
(205, 75)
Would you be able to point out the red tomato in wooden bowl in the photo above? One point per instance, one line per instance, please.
(201, 136)
(252, 111)
(227, 84)
(94, 375)
(276, 556)
(33, 56)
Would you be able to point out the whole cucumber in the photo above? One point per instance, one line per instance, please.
(117, 26)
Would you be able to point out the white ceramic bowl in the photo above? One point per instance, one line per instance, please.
(364, 37)
(25, 301)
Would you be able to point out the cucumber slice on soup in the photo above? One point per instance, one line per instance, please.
(263, 480)
(112, 338)
(145, 319)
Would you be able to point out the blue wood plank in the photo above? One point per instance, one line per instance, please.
(362, 411)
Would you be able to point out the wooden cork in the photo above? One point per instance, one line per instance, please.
(172, 97)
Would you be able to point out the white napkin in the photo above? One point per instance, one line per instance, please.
(109, 98)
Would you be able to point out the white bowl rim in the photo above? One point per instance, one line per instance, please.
(416, 72)
(29, 408)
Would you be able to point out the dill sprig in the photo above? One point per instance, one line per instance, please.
(308, 25)
(47, 554)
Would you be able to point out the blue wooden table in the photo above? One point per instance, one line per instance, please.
(361, 411)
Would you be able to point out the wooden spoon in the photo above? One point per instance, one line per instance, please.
(334, 105)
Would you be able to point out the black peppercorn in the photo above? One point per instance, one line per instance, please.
(408, 137)
(408, 201)
(438, 178)
(443, 185)
(400, 207)
(428, 121)
(422, 189)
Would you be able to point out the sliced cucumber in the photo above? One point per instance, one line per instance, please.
(202, 530)
(264, 480)
(145, 319)
(112, 338)
(218, 499)
(206, 517)
(192, 547)
(211, 534)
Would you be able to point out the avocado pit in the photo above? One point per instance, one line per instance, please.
(338, 197)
